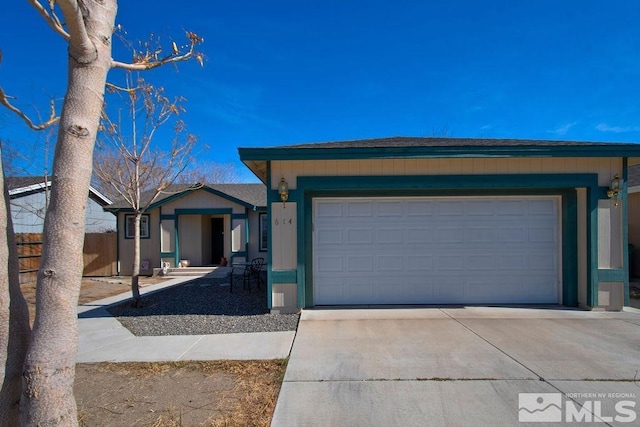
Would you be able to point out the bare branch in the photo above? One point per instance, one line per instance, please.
(81, 48)
(149, 59)
(51, 18)
(52, 119)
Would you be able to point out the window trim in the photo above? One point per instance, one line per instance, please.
(263, 239)
(145, 229)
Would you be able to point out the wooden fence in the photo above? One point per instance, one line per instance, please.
(100, 255)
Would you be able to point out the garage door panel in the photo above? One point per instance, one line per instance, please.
(418, 208)
(435, 250)
(418, 235)
(359, 209)
(360, 263)
(360, 236)
(330, 237)
(450, 235)
(389, 209)
(543, 234)
(389, 236)
(480, 234)
(330, 263)
(542, 207)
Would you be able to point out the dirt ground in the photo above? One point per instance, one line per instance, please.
(227, 393)
(92, 289)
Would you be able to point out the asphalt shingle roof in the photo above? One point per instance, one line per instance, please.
(406, 142)
(252, 194)
(15, 182)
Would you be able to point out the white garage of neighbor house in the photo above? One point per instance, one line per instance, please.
(198, 223)
(446, 221)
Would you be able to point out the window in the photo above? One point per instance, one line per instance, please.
(130, 226)
(264, 232)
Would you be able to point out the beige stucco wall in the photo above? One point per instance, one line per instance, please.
(634, 228)
(190, 240)
(605, 167)
(198, 200)
(254, 243)
(148, 247)
(610, 221)
(194, 233)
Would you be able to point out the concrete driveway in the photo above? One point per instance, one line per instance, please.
(462, 366)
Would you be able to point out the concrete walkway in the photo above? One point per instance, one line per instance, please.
(461, 366)
(103, 339)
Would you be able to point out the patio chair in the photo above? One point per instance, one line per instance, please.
(256, 271)
(250, 273)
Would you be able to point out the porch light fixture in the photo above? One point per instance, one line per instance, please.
(283, 190)
(614, 189)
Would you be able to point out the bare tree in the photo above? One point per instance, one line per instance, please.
(131, 167)
(49, 365)
(209, 172)
(14, 316)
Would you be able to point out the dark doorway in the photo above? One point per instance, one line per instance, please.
(217, 239)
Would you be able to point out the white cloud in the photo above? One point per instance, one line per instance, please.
(603, 127)
(562, 130)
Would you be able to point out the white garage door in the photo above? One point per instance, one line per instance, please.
(436, 250)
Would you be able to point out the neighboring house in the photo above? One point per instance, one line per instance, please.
(198, 223)
(29, 199)
(446, 221)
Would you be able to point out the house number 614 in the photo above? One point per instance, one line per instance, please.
(284, 221)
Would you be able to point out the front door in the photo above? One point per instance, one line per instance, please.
(217, 239)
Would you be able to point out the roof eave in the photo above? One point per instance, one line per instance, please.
(255, 155)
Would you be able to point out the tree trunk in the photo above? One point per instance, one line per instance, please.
(47, 396)
(135, 275)
(14, 317)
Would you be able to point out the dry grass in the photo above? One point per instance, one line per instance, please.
(221, 393)
(92, 289)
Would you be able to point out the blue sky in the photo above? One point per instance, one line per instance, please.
(284, 72)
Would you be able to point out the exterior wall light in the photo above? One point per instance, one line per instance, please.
(283, 190)
(614, 189)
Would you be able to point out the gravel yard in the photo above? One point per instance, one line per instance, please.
(200, 307)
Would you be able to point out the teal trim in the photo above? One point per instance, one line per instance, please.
(167, 254)
(204, 188)
(269, 241)
(230, 198)
(239, 254)
(176, 239)
(624, 199)
(285, 276)
(445, 182)
(118, 228)
(532, 150)
(239, 216)
(204, 211)
(159, 249)
(148, 226)
(593, 195)
(563, 185)
(570, 248)
(196, 211)
(259, 241)
(166, 217)
(612, 275)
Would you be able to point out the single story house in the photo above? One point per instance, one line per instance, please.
(633, 190)
(30, 197)
(198, 223)
(408, 220)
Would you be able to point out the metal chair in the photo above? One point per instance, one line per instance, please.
(256, 271)
(251, 272)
